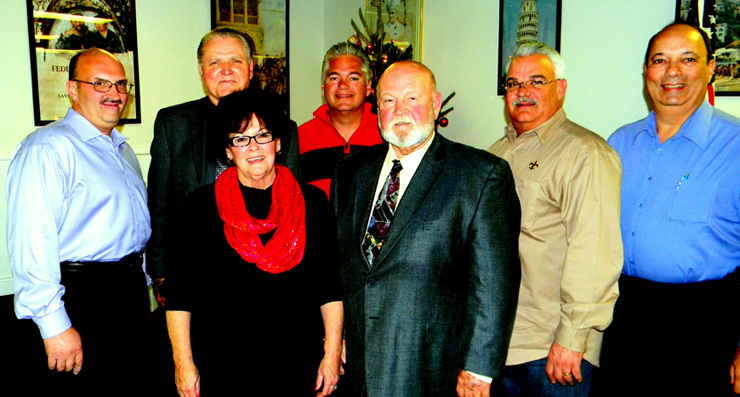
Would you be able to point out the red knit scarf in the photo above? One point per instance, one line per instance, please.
(287, 217)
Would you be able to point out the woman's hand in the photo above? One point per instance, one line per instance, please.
(187, 380)
(331, 365)
(329, 371)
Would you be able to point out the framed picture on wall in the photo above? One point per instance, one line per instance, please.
(58, 30)
(402, 21)
(525, 21)
(266, 23)
(721, 20)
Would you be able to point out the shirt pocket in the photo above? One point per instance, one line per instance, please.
(528, 192)
(693, 201)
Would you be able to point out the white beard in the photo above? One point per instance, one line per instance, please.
(414, 137)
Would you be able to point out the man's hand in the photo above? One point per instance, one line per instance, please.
(735, 372)
(64, 351)
(470, 386)
(563, 365)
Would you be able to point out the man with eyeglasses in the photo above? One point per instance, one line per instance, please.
(567, 179)
(77, 224)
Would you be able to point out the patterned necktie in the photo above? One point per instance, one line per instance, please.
(383, 211)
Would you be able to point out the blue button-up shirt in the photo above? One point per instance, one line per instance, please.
(73, 194)
(681, 199)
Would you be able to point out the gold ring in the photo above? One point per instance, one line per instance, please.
(566, 374)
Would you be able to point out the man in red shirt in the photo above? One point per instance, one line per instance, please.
(345, 123)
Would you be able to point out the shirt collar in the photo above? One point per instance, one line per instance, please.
(695, 128)
(86, 131)
(543, 132)
(411, 161)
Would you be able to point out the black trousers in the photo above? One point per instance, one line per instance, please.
(110, 310)
(671, 339)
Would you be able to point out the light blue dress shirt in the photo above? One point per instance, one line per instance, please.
(681, 199)
(73, 194)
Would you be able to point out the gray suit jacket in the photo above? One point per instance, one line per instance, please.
(179, 165)
(442, 294)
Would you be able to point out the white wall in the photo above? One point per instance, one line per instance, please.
(603, 43)
(306, 48)
(168, 37)
(309, 41)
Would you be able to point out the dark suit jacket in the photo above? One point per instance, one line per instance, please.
(179, 166)
(442, 293)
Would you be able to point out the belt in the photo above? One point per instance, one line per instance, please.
(130, 261)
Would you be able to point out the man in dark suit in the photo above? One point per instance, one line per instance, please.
(429, 299)
(184, 155)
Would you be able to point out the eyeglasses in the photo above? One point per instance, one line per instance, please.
(530, 84)
(244, 140)
(123, 87)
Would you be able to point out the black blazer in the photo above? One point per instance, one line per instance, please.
(442, 294)
(179, 165)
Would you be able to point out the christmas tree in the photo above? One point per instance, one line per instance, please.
(383, 54)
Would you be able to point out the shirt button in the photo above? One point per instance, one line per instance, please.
(659, 150)
(650, 178)
(640, 205)
(632, 233)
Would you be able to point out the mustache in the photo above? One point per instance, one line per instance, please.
(530, 101)
(401, 120)
(109, 100)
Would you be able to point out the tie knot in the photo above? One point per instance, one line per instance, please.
(397, 167)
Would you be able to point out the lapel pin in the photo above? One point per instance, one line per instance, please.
(533, 166)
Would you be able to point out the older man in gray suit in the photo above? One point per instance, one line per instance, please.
(430, 270)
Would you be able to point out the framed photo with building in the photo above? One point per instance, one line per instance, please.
(266, 23)
(525, 21)
(401, 20)
(721, 20)
(58, 30)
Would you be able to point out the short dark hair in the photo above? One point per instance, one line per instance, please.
(73, 65)
(704, 36)
(224, 31)
(236, 109)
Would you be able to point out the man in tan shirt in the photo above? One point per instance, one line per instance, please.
(570, 245)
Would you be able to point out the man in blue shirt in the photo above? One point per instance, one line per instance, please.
(676, 314)
(77, 224)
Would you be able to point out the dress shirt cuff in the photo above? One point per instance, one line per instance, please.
(572, 338)
(481, 377)
(53, 324)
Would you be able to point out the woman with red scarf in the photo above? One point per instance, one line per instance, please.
(256, 285)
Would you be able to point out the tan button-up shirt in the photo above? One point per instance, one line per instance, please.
(568, 182)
